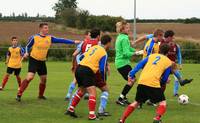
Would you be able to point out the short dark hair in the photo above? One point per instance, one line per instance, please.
(169, 33)
(105, 39)
(164, 49)
(43, 24)
(94, 33)
(14, 37)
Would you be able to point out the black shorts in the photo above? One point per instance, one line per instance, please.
(124, 71)
(37, 66)
(145, 92)
(85, 76)
(15, 70)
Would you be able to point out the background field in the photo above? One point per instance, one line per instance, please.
(31, 110)
(24, 30)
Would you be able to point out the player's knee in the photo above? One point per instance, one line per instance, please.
(29, 78)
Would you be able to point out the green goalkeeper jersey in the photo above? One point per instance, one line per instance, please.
(123, 50)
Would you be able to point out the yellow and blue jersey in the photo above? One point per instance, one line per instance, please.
(15, 55)
(40, 45)
(95, 58)
(156, 69)
(150, 47)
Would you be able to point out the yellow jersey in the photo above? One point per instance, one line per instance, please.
(15, 55)
(153, 70)
(150, 47)
(95, 58)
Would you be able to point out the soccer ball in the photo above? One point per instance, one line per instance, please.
(183, 99)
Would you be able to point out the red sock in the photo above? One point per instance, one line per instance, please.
(23, 86)
(5, 80)
(160, 111)
(18, 80)
(92, 106)
(42, 88)
(75, 100)
(127, 112)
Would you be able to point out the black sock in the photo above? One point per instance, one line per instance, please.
(125, 91)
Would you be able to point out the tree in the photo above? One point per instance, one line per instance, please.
(82, 19)
(64, 4)
(69, 17)
(1, 15)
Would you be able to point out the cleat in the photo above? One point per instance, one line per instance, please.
(95, 118)
(121, 102)
(120, 121)
(140, 106)
(176, 95)
(157, 121)
(42, 98)
(186, 81)
(18, 98)
(71, 114)
(1, 88)
(126, 101)
(86, 96)
(149, 103)
(104, 114)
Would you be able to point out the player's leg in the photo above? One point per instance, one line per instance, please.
(160, 111)
(128, 111)
(17, 75)
(176, 86)
(24, 85)
(103, 101)
(6, 77)
(72, 86)
(75, 101)
(42, 87)
(124, 71)
(92, 102)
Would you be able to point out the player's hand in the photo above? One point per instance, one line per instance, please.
(6, 62)
(139, 52)
(26, 55)
(130, 80)
(168, 80)
(77, 41)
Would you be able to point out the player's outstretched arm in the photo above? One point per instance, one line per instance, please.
(64, 41)
(142, 39)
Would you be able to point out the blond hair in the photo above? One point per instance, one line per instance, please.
(157, 32)
(120, 26)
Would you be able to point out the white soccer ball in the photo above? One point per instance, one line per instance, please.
(183, 99)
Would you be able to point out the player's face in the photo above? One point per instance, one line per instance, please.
(127, 29)
(87, 36)
(108, 46)
(160, 36)
(44, 30)
(14, 42)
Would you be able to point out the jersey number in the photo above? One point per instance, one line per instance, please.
(88, 46)
(93, 51)
(156, 61)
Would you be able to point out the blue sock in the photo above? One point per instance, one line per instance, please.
(176, 87)
(71, 89)
(103, 101)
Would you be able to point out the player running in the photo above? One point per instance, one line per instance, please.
(40, 44)
(94, 60)
(174, 55)
(14, 59)
(149, 85)
(124, 53)
(75, 61)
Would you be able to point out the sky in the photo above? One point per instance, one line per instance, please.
(146, 9)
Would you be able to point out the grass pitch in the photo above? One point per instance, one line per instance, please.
(32, 110)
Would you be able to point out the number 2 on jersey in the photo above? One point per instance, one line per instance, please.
(156, 61)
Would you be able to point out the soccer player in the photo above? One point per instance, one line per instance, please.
(94, 60)
(14, 62)
(75, 61)
(39, 45)
(149, 85)
(124, 53)
(152, 44)
(174, 55)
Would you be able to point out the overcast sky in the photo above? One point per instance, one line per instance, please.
(148, 9)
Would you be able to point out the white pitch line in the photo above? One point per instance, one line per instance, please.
(196, 104)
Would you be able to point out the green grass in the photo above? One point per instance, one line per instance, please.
(31, 110)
